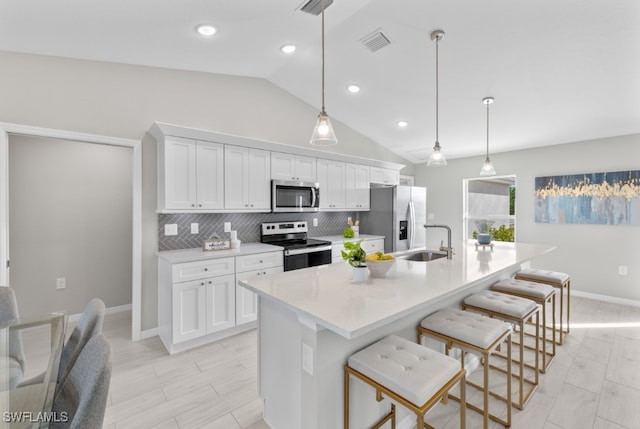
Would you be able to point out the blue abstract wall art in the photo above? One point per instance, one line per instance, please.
(611, 198)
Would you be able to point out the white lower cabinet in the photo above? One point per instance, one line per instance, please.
(369, 246)
(201, 301)
(252, 266)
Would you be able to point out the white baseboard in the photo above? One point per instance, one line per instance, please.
(110, 310)
(606, 298)
(149, 333)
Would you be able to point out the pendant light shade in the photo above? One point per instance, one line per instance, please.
(323, 134)
(487, 168)
(437, 158)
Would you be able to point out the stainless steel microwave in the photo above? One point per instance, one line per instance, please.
(288, 196)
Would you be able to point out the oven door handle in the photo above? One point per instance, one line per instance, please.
(307, 250)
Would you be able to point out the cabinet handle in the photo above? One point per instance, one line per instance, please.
(251, 205)
(202, 284)
(261, 261)
(206, 269)
(246, 205)
(209, 281)
(199, 205)
(264, 272)
(193, 205)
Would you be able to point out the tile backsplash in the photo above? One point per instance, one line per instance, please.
(247, 225)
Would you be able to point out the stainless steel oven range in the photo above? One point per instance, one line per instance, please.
(299, 251)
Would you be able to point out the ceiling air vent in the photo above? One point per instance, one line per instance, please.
(375, 41)
(314, 7)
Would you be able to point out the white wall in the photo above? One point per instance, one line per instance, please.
(123, 101)
(591, 254)
(70, 207)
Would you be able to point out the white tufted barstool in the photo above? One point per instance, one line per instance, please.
(558, 280)
(472, 333)
(542, 294)
(405, 372)
(518, 311)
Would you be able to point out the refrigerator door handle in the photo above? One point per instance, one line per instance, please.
(412, 225)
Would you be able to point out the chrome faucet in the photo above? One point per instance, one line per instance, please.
(448, 249)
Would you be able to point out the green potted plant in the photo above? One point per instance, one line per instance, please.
(356, 257)
(484, 231)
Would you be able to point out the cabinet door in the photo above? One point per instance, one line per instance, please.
(188, 310)
(285, 166)
(247, 301)
(220, 303)
(305, 168)
(385, 176)
(331, 177)
(259, 185)
(210, 175)
(236, 170)
(357, 186)
(179, 173)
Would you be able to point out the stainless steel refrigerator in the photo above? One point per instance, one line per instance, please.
(399, 213)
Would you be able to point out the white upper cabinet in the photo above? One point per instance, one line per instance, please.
(331, 177)
(191, 174)
(357, 186)
(384, 176)
(209, 175)
(285, 166)
(247, 179)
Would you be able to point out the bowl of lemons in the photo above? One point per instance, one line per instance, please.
(380, 263)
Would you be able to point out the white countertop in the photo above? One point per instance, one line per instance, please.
(192, 255)
(327, 296)
(338, 239)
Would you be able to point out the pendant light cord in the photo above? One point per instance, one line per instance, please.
(322, 5)
(437, 42)
(488, 130)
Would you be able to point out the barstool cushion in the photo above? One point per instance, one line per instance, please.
(467, 326)
(406, 368)
(544, 275)
(524, 287)
(497, 302)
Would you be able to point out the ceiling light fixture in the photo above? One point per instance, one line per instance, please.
(323, 134)
(288, 49)
(487, 167)
(437, 158)
(353, 88)
(402, 124)
(206, 30)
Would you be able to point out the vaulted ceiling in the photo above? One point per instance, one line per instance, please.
(559, 70)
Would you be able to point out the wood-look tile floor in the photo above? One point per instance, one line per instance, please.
(594, 381)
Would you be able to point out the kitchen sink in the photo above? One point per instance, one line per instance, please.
(423, 256)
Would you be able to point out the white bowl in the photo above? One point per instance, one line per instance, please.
(380, 268)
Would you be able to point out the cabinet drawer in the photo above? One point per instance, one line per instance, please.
(258, 261)
(202, 269)
(372, 246)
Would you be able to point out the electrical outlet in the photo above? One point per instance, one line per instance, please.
(194, 228)
(307, 358)
(61, 283)
(171, 229)
(315, 221)
(431, 216)
(227, 227)
(622, 270)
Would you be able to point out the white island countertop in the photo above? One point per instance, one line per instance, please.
(327, 295)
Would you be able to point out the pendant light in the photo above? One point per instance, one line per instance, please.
(323, 134)
(487, 167)
(437, 158)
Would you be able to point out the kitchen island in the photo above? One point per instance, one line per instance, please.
(310, 321)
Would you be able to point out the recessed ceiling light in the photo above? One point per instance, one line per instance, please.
(206, 30)
(402, 124)
(288, 49)
(353, 88)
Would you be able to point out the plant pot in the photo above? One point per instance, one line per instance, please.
(360, 273)
(484, 238)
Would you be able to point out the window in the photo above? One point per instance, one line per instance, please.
(491, 199)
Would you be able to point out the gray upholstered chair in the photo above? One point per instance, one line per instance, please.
(8, 311)
(82, 397)
(89, 325)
